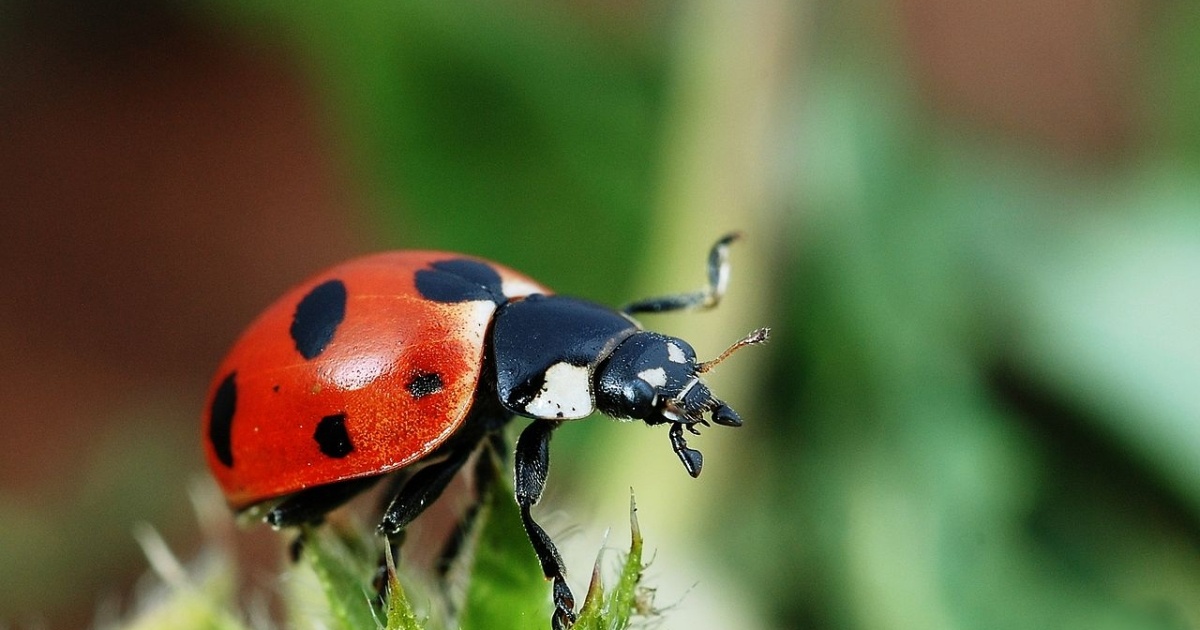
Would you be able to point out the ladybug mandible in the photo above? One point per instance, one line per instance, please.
(418, 357)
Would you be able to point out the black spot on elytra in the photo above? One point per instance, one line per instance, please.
(317, 317)
(460, 280)
(220, 419)
(331, 436)
(424, 384)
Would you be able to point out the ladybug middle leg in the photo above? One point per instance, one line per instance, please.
(421, 490)
(531, 467)
(412, 495)
(409, 496)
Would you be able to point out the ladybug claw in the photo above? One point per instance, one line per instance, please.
(693, 461)
(564, 606)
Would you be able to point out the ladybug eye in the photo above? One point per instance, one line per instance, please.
(639, 398)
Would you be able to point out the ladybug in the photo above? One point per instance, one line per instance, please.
(409, 361)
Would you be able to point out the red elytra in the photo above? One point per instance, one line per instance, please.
(391, 346)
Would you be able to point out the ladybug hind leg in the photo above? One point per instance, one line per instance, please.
(309, 507)
(410, 496)
(532, 466)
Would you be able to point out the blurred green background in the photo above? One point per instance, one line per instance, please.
(974, 229)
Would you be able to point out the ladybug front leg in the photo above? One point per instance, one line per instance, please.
(532, 466)
(692, 459)
(717, 269)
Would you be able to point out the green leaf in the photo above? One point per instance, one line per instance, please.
(400, 615)
(340, 575)
(614, 611)
(624, 598)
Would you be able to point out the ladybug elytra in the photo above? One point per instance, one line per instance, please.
(409, 361)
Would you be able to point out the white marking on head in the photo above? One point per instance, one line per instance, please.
(675, 353)
(655, 377)
(566, 393)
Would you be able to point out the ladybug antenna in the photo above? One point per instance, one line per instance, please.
(678, 409)
(758, 336)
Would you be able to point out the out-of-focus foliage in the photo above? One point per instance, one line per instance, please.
(474, 120)
(128, 468)
(330, 584)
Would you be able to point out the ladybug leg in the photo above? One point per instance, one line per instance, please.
(422, 489)
(310, 506)
(296, 548)
(415, 493)
(395, 482)
(708, 297)
(532, 465)
(692, 459)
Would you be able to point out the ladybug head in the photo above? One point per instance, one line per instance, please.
(656, 378)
